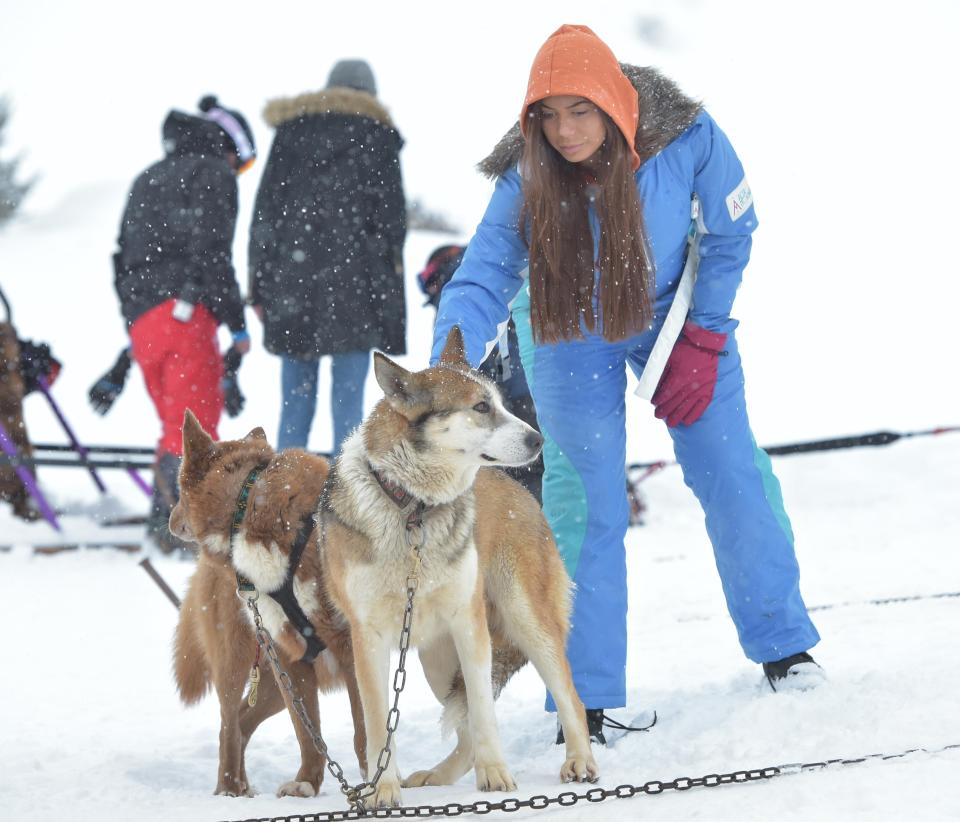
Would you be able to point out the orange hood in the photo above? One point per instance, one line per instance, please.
(575, 61)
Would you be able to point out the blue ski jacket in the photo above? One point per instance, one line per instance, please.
(683, 153)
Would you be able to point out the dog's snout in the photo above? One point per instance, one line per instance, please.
(533, 441)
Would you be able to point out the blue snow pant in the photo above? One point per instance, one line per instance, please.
(298, 385)
(579, 390)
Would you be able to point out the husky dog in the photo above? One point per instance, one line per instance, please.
(492, 590)
(215, 641)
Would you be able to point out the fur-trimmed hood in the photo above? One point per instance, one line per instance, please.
(665, 113)
(336, 100)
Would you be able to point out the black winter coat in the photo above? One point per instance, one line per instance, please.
(178, 226)
(328, 228)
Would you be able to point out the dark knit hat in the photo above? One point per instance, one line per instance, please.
(235, 127)
(355, 74)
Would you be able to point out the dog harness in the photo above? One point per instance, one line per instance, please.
(283, 596)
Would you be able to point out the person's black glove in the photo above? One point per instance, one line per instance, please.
(105, 390)
(36, 361)
(233, 398)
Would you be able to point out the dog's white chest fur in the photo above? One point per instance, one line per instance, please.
(266, 566)
(378, 594)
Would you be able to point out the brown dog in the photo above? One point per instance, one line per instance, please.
(492, 591)
(215, 642)
(11, 417)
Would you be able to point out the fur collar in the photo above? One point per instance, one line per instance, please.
(336, 100)
(665, 113)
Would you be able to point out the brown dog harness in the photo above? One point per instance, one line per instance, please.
(283, 595)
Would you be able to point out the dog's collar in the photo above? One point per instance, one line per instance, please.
(401, 497)
(244, 585)
(284, 595)
(241, 510)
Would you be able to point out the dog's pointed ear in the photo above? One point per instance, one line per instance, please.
(196, 441)
(397, 383)
(453, 349)
(256, 434)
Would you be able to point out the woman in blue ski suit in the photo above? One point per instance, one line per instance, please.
(691, 193)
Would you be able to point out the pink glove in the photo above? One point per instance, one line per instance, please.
(688, 381)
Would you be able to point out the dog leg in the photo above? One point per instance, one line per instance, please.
(472, 639)
(441, 666)
(371, 655)
(310, 776)
(356, 712)
(545, 648)
(269, 703)
(231, 780)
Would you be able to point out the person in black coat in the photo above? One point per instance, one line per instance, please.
(326, 244)
(175, 280)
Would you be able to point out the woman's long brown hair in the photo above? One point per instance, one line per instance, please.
(554, 221)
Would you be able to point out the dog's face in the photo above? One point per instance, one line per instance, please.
(455, 414)
(211, 476)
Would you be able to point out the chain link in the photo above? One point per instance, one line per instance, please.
(358, 794)
(570, 798)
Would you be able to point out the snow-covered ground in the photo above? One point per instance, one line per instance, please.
(92, 727)
(842, 116)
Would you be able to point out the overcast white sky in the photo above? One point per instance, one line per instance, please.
(843, 113)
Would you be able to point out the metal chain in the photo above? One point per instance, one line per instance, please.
(570, 798)
(356, 795)
(266, 643)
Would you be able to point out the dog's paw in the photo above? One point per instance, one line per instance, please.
(297, 788)
(234, 789)
(387, 794)
(494, 777)
(580, 769)
(418, 779)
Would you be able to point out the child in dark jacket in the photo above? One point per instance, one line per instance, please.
(176, 283)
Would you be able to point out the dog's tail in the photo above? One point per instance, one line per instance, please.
(507, 659)
(190, 669)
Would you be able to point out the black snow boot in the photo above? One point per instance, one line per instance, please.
(594, 727)
(165, 495)
(597, 720)
(797, 672)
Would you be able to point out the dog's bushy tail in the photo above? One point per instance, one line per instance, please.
(190, 669)
(507, 660)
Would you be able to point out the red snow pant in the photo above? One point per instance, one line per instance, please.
(182, 368)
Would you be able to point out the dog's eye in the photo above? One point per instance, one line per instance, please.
(482, 408)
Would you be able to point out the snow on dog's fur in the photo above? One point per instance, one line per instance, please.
(215, 642)
(492, 589)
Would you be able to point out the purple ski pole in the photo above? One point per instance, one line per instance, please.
(27, 478)
(81, 451)
(141, 483)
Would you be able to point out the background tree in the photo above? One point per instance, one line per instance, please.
(422, 218)
(11, 192)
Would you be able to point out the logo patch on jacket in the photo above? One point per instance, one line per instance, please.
(739, 200)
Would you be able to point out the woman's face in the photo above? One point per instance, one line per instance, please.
(573, 126)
